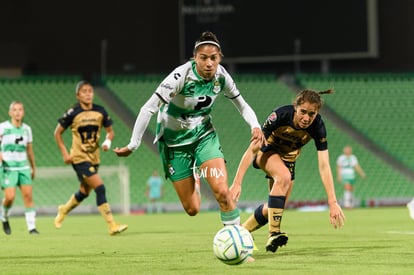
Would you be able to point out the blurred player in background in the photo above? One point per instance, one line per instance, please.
(410, 207)
(19, 166)
(86, 120)
(346, 165)
(287, 129)
(185, 134)
(154, 193)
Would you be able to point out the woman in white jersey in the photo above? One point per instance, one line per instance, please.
(19, 166)
(186, 138)
(346, 165)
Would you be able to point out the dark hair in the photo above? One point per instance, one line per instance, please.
(311, 96)
(80, 84)
(205, 38)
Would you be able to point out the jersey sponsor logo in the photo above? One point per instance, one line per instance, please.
(17, 140)
(89, 120)
(203, 101)
(177, 75)
(166, 86)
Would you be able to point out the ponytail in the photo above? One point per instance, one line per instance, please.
(329, 91)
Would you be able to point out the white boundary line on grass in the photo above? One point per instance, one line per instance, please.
(401, 232)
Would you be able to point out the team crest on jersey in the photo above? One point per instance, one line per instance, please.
(272, 116)
(217, 87)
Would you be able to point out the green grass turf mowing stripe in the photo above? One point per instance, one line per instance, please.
(373, 241)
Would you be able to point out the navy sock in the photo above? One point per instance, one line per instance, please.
(79, 196)
(100, 195)
(277, 202)
(258, 214)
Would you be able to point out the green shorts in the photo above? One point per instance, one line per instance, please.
(346, 180)
(16, 178)
(179, 162)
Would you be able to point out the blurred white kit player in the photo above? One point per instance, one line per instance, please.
(17, 156)
(410, 207)
(347, 165)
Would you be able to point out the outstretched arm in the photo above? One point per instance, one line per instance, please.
(245, 162)
(250, 117)
(337, 217)
(141, 124)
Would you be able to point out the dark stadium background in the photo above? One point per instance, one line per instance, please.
(50, 37)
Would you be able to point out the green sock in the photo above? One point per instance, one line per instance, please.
(230, 218)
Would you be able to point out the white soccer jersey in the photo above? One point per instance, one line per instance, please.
(184, 101)
(188, 99)
(14, 142)
(347, 164)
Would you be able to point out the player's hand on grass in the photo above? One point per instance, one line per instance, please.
(337, 217)
(122, 152)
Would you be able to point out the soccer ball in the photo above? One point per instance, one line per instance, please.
(233, 244)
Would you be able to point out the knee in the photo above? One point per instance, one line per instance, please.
(27, 197)
(192, 211)
(284, 180)
(10, 197)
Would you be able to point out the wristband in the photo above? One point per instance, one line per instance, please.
(107, 143)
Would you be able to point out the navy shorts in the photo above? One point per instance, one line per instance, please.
(85, 170)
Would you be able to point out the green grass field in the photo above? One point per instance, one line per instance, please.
(373, 241)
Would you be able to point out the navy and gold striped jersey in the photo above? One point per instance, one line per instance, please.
(86, 128)
(285, 139)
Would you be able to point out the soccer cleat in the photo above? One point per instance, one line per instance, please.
(34, 232)
(59, 217)
(117, 228)
(275, 240)
(6, 227)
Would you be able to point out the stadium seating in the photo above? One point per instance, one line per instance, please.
(265, 93)
(376, 105)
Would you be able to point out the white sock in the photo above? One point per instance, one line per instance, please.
(410, 207)
(30, 219)
(4, 213)
(348, 199)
